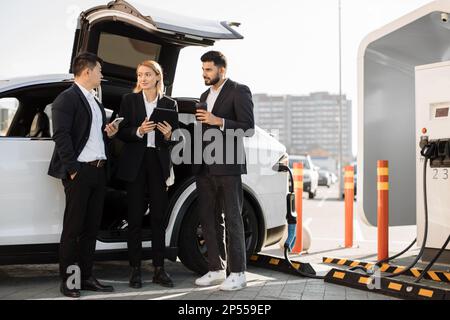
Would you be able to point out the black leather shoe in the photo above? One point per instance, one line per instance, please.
(162, 277)
(135, 278)
(92, 284)
(71, 293)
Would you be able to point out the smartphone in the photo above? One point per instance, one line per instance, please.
(201, 105)
(117, 121)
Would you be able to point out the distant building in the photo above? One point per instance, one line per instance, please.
(307, 124)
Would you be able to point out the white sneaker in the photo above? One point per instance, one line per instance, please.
(211, 278)
(235, 281)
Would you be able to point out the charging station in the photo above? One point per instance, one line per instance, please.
(403, 87)
(432, 86)
(387, 59)
(403, 117)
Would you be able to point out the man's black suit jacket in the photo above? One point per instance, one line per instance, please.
(133, 110)
(72, 119)
(235, 105)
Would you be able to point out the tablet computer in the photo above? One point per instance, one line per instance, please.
(161, 115)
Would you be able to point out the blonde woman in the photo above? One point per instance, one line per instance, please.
(145, 165)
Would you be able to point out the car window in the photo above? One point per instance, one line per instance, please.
(48, 112)
(8, 108)
(125, 51)
(291, 163)
(306, 164)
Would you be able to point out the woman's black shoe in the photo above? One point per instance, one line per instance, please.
(135, 278)
(162, 277)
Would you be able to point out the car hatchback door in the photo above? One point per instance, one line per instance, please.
(123, 36)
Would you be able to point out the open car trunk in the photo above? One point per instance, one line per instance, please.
(124, 36)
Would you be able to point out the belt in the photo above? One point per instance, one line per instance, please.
(97, 163)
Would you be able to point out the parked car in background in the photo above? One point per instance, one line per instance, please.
(334, 178)
(310, 173)
(325, 178)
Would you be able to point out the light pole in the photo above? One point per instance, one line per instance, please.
(341, 179)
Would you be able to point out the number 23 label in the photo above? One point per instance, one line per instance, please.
(443, 175)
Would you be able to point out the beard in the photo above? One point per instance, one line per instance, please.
(213, 81)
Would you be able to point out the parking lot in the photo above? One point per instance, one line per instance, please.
(324, 218)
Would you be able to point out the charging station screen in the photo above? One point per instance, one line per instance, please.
(441, 112)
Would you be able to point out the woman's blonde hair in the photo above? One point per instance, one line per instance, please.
(158, 70)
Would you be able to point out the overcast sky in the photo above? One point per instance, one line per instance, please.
(289, 46)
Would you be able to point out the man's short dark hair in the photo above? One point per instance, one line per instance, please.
(215, 56)
(84, 60)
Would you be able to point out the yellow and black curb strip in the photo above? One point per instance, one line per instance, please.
(386, 286)
(438, 276)
(279, 264)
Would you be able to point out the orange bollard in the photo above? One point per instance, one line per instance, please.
(349, 186)
(383, 208)
(298, 187)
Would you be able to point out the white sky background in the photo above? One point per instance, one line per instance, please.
(289, 46)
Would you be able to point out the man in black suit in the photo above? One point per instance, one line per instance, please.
(228, 117)
(81, 136)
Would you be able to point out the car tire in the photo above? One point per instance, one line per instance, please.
(192, 249)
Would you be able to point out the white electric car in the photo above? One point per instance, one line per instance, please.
(32, 203)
